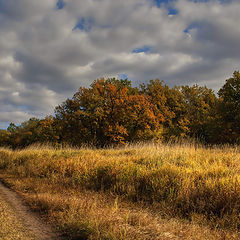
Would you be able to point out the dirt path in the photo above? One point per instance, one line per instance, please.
(18, 222)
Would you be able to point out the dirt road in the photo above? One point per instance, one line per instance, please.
(17, 222)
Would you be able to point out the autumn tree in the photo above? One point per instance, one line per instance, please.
(48, 130)
(170, 105)
(5, 136)
(110, 111)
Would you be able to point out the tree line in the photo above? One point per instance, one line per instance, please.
(112, 111)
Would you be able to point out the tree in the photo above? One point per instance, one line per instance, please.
(4, 138)
(200, 107)
(170, 105)
(229, 109)
(48, 131)
(110, 111)
(25, 134)
(12, 128)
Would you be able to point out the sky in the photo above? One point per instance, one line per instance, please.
(49, 48)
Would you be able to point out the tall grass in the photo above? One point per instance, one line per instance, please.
(187, 181)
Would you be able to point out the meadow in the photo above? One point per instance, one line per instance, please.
(141, 191)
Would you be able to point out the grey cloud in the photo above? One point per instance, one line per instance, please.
(43, 60)
(16, 117)
(34, 72)
(24, 9)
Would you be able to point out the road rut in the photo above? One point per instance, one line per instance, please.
(18, 222)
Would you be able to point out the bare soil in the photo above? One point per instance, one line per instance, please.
(18, 222)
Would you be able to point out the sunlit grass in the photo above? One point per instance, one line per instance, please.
(105, 186)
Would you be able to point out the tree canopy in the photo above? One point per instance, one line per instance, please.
(112, 112)
(229, 109)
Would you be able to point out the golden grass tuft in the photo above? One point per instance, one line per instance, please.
(131, 192)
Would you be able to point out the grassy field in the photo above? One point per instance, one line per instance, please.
(136, 192)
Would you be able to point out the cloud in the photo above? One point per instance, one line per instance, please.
(19, 116)
(49, 48)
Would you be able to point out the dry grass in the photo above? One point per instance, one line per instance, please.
(132, 192)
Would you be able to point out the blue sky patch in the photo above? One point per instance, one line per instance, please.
(60, 4)
(191, 26)
(84, 24)
(123, 76)
(159, 3)
(4, 125)
(142, 49)
(168, 4)
(172, 11)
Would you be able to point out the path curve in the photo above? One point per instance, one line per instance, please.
(30, 222)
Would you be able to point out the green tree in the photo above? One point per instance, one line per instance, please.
(25, 134)
(12, 128)
(200, 107)
(229, 109)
